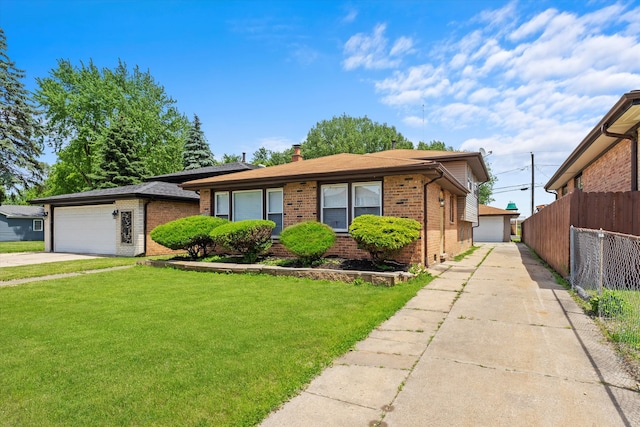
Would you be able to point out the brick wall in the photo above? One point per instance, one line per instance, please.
(136, 207)
(161, 212)
(611, 172)
(300, 202)
(205, 202)
(433, 224)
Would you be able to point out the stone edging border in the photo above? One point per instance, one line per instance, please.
(376, 278)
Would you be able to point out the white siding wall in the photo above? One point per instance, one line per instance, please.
(467, 206)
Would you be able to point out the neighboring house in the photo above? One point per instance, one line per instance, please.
(494, 224)
(596, 186)
(117, 221)
(607, 158)
(439, 189)
(21, 223)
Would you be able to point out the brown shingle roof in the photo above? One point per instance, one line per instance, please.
(485, 210)
(338, 165)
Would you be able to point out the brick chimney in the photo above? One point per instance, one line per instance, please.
(296, 156)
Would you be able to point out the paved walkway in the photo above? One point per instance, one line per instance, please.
(15, 259)
(497, 345)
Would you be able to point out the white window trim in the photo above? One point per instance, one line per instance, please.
(216, 212)
(281, 207)
(346, 206)
(353, 196)
(38, 221)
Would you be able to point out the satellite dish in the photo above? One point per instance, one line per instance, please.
(484, 153)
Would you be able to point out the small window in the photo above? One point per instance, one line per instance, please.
(38, 225)
(221, 208)
(578, 182)
(452, 204)
(126, 227)
(334, 206)
(367, 198)
(247, 205)
(274, 209)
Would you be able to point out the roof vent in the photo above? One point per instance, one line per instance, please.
(512, 207)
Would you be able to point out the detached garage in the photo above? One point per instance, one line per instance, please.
(494, 224)
(114, 221)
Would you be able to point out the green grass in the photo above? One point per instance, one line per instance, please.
(45, 269)
(30, 246)
(466, 253)
(147, 346)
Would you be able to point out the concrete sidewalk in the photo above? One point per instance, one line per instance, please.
(497, 345)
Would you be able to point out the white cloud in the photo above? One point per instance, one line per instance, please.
(276, 143)
(370, 51)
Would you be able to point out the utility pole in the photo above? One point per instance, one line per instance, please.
(532, 185)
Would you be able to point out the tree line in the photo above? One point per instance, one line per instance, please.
(112, 127)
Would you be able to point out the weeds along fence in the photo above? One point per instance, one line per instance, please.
(605, 266)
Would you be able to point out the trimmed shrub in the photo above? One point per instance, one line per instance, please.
(308, 240)
(190, 233)
(383, 236)
(250, 237)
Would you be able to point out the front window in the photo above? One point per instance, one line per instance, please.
(274, 209)
(334, 206)
(221, 209)
(37, 225)
(247, 205)
(367, 198)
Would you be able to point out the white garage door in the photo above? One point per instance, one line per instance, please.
(85, 229)
(491, 229)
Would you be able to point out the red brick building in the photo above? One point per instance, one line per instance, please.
(606, 160)
(438, 189)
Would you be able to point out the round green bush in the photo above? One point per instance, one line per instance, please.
(308, 240)
(383, 236)
(250, 237)
(190, 233)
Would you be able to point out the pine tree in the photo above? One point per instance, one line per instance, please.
(20, 132)
(121, 163)
(197, 153)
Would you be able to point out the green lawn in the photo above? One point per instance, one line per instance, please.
(31, 246)
(46, 269)
(149, 346)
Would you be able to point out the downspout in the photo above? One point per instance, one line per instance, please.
(144, 227)
(424, 241)
(634, 152)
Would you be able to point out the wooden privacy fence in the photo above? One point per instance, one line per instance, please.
(547, 232)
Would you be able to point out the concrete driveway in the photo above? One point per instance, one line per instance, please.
(28, 258)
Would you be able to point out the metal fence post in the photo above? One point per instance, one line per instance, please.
(601, 257)
(572, 257)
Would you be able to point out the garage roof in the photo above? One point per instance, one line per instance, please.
(19, 211)
(149, 190)
(199, 173)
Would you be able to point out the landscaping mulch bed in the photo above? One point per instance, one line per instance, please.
(328, 263)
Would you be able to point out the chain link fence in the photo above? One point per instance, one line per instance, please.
(605, 269)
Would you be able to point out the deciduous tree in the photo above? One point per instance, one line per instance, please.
(345, 134)
(80, 104)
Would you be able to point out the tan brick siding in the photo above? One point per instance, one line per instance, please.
(161, 212)
(206, 208)
(611, 172)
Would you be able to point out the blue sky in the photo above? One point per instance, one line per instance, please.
(512, 77)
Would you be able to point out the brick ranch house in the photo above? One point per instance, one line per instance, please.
(439, 189)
